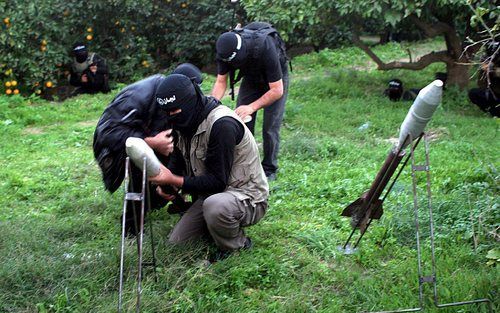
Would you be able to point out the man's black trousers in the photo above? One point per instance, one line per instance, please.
(250, 91)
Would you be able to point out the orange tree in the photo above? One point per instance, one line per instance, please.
(136, 37)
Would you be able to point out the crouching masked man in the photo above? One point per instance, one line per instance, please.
(216, 160)
(134, 113)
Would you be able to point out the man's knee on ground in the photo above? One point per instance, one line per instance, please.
(215, 209)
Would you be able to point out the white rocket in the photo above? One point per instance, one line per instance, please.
(137, 149)
(420, 113)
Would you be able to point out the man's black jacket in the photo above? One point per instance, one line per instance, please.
(132, 113)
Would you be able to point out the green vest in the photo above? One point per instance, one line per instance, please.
(247, 180)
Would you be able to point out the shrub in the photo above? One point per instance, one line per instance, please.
(136, 37)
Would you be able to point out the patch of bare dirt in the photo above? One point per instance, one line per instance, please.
(433, 134)
(87, 123)
(33, 131)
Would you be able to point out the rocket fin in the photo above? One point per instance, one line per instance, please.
(353, 207)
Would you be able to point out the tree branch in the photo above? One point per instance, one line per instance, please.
(433, 30)
(453, 41)
(424, 61)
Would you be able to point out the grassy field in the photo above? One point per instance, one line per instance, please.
(60, 236)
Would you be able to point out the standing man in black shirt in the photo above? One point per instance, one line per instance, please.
(258, 53)
(216, 160)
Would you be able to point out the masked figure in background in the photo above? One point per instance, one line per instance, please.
(89, 71)
(487, 96)
(216, 160)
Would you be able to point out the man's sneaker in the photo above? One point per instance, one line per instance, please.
(248, 244)
(220, 255)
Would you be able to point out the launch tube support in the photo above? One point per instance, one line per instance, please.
(133, 198)
(422, 279)
(347, 248)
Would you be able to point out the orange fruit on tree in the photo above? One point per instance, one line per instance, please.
(44, 42)
(6, 20)
(89, 30)
(122, 30)
(8, 84)
(13, 83)
(89, 37)
(43, 48)
(48, 84)
(16, 91)
(184, 5)
(8, 91)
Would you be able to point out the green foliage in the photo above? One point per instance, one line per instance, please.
(136, 37)
(61, 234)
(301, 22)
(486, 14)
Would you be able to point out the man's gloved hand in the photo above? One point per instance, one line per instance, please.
(178, 205)
(166, 192)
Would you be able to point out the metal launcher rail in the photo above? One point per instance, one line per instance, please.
(134, 198)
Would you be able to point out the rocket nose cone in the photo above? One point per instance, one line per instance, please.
(432, 93)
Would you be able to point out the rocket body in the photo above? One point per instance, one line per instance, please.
(420, 113)
(137, 149)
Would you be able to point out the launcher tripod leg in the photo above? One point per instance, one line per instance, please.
(133, 198)
(122, 248)
(433, 278)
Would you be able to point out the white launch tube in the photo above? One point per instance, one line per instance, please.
(420, 113)
(137, 149)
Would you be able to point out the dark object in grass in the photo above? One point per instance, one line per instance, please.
(395, 89)
(396, 92)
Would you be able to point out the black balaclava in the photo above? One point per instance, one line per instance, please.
(395, 90)
(231, 48)
(80, 52)
(191, 71)
(177, 91)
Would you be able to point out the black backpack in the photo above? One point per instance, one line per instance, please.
(256, 33)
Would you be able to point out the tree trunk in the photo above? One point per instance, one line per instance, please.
(458, 75)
